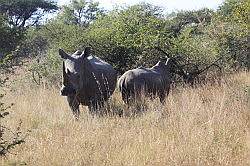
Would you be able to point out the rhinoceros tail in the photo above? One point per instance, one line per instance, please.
(120, 83)
(124, 89)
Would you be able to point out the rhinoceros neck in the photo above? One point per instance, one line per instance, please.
(163, 70)
(87, 73)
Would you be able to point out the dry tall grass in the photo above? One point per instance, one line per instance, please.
(208, 125)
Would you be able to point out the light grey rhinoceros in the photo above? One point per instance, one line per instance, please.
(87, 80)
(151, 82)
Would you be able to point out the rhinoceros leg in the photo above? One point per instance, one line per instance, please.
(162, 97)
(125, 97)
(92, 109)
(74, 106)
(96, 107)
(163, 94)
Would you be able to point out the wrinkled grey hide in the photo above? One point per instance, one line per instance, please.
(87, 80)
(151, 82)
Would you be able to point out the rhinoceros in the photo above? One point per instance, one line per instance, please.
(151, 82)
(87, 80)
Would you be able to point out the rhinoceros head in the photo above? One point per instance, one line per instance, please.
(170, 64)
(73, 69)
(165, 66)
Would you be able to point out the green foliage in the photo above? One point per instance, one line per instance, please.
(126, 36)
(9, 37)
(203, 36)
(123, 36)
(200, 49)
(230, 29)
(59, 35)
(80, 12)
(191, 44)
(47, 69)
(235, 11)
(23, 12)
(15, 16)
(178, 21)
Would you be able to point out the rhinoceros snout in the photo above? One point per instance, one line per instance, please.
(63, 92)
(66, 91)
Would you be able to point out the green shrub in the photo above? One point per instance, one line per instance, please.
(125, 37)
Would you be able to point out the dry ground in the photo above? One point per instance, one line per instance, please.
(208, 125)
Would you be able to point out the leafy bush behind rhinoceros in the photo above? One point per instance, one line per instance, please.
(126, 37)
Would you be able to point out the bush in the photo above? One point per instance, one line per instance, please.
(8, 138)
(125, 37)
(9, 142)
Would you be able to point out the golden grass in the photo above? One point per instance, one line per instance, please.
(208, 125)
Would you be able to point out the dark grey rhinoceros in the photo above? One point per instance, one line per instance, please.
(151, 82)
(87, 80)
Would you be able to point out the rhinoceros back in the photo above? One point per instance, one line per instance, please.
(103, 82)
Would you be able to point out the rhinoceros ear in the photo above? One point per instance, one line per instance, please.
(64, 76)
(167, 61)
(63, 54)
(160, 63)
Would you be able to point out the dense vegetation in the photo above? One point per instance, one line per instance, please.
(207, 125)
(125, 36)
